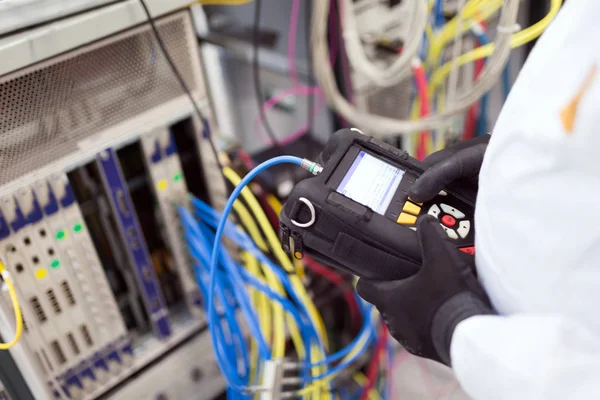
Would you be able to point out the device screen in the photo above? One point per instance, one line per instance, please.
(371, 182)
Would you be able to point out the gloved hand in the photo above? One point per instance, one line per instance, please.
(423, 310)
(459, 162)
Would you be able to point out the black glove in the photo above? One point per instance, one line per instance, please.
(455, 163)
(423, 310)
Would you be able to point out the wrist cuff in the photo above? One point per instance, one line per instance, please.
(456, 309)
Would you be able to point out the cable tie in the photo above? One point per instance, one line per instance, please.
(509, 29)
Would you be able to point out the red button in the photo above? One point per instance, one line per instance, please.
(449, 221)
(469, 250)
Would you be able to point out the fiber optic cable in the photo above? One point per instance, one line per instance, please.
(284, 274)
(12, 293)
(210, 216)
(278, 344)
(275, 245)
(361, 380)
(518, 39)
(478, 31)
(250, 225)
(200, 242)
(221, 351)
(295, 337)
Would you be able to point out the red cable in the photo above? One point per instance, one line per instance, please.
(246, 159)
(374, 366)
(421, 82)
(335, 278)
(471, 121)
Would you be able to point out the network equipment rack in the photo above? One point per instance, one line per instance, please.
(73, 232)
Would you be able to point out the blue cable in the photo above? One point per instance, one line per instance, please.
(237, 382)
(224, 351)
(506, 81)
(482, 127)
(483, 104)
(440, 20)
(241, 295)
(251, 247)
(231, 321)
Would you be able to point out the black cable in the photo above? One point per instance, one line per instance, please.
(182, 83)
(256, 74)
(310, 75)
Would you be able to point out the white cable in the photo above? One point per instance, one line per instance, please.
(400, 68)
(456, 51)
(383, 126)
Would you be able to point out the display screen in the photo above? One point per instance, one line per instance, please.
(371, 182)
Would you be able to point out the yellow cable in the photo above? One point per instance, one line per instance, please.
(474, 10)
(517, 40)
(278, 343)
(276, 206)
(325, 381)
(285, 262)
(249, 225)
(16, 308)
(264, 313)
(361, 379)
(274, 203)
(283, 259)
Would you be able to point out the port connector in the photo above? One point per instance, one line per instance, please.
(53, 300)
(37, 308)
(86, 335)
(67, 292)
(73, 343)
(58, 352)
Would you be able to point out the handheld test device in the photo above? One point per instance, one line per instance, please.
(356, 215)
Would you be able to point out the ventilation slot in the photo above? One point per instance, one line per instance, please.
(48, 108)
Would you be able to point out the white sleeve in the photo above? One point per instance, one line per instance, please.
(533, 357)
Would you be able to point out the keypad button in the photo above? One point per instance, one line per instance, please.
(411, 208)
(449, 221)
(406, 219)
(450, 232)
(464, 227)
(434, 210)
(469, 250)
(452, 211)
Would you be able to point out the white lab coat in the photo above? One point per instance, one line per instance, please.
(538, 229)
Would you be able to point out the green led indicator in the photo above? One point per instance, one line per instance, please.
(77, 227)
(60, 234)
(55, 264)
(177, 177)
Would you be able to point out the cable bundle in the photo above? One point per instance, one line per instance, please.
(475, 11)
(258, 304)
